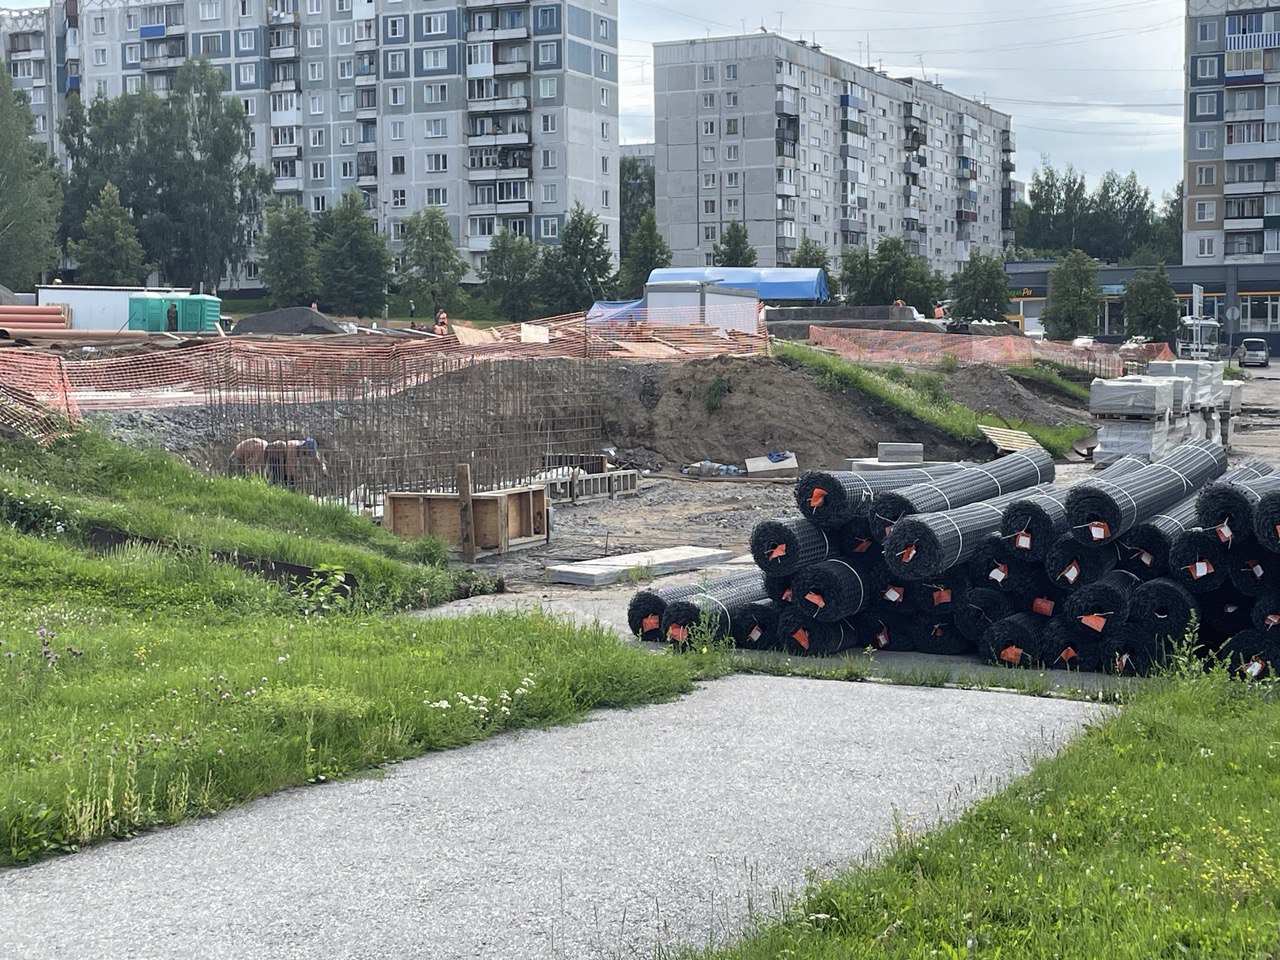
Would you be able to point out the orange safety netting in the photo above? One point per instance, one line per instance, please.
(894, 346)
(185, 375)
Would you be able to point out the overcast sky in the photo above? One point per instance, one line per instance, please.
(1094, 83)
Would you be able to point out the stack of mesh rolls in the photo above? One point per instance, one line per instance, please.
(711, 613)
(834, 499)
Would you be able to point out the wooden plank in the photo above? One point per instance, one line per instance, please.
(466, 518)
(654, 562)
(1009, 441)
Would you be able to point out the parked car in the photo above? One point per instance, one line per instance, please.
(1255, 352)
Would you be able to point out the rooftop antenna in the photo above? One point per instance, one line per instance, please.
(923, 75)
(780, 13)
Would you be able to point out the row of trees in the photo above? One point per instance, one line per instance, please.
(1117, 221)
(1150, 305)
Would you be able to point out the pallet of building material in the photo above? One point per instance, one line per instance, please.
(1235, 396)
(1150, 440)
(1010, 441)
(606, 570)
(1131, 397)
(1205, 376)
(601, 486)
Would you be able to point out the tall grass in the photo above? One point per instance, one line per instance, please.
(921, 396)
(1153, 835)
(151, 687)
(1051, 378)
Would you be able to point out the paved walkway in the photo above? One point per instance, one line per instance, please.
(667, 824)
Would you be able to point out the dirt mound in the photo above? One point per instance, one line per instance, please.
(728, 409)
(988, 389)
(291, 321)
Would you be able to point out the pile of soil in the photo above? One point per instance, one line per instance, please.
(765, 405)
(988, 389)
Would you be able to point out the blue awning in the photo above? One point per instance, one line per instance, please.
(768, 283)
(617, 310)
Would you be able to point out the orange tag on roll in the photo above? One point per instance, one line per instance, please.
(1042, 606)
(999, 573)
(1271, 620)
(941, 596)
(787, 595)
(677, 633)
(755, 634)
(1099, 531)
(1095, 622)
(862, 547)
(1254, 668)
(1011, 654)
(882, 638)
(1256, 569)
(1072, 573)
(816, 600)
(907, 555)
(801, 637)
(1068, 655)
(1224, 533)
(651, 622)
(1122, 663)
(1146, 558)
(1199, 569)
(893, 594)
(1022, 541)
(817, 498)
(779, 551)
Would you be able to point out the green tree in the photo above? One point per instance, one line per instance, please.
(637, 188)
(813, 256)
(110, 254)
(980, 291)
(648, 252)
(578, 271)
(1120, 217)
(1165, 243)
(1059, 209)
(431, 268)
(1150, 306)
(353, 261)
(29, 197)
(734, 248)
(181, 165)
(288, 256)
(1073, 297)
(510, 275)
(891, 273)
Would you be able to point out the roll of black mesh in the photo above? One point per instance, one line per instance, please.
(1104, 510)
(1252, 570)
(881, 630)
(1144, 550)
(1018, 471)
(832, 499)
(1102, 607)
(941, 638)
(805, 637)
(784, 545)
(644, 612)
(1223, 614)
(1133, 652)
(1228, 504)
(994, 567)
(1071, 564)
(756, 627)
(712, 609)
(831, 590)
(1199, 560)
(1065, 646)
(1265, 615)
(939, 597)
(1014, 641)
(896, 594)
(1266, 522)
(1037, 594)
(1163, 607)
(924, 545)
(979, 610)
(1038, 518)
(1250, 655)
(778, 588)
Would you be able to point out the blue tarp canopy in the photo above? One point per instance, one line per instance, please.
(768, 283)
(617, 310)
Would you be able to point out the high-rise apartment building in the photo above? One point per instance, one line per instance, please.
(502, 113)
(795, 142)
(41, 50)
(1232, 133)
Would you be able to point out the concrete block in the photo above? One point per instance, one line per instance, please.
(911, 453)
(763, 467)
(606, 570)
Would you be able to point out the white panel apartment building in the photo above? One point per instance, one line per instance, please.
(795, 143)
(502, 113)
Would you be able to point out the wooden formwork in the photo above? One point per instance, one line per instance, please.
(602, 486)
(504, 520)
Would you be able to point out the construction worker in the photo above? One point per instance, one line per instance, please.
(411, 308)
(441, 328)
(939, 312)
(171, 317)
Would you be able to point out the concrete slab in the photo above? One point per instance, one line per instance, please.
(606, 570)
(621, 837)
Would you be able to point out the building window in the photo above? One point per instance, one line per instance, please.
(347, 136)
(348, 169)
(709, 234)
(550, 228)
(1206, 104)
(1206, 139)
(604, 198)
(481, 226)
(708, 206)
(248, 73)
(731, 152)
(1207, 68)
(1208, 31)
(317, 137)
(313, 7)
(318, 204)
(132, 84)
(731, 180)
(547, 53)
(395, 62)
(604, 130)
(547, 18)
(131, 22)
(550, 159)
(708, 128)
(604, 96)
(346, 102)
(708, 74)
(731, 71)
(398, 198)
(435, 92)
(317, 170)
(98, 26)
(437, 127)
(433, 23)
(731, 128)
(1205, 211)
(395, 28)
(99, 56)
(437, 196)
(708, 181)
(1206, 176)
(550, 193)
(346, 69)
(437, 163)
(397, 96)
(345, 35)
(730, 99)
(708, 154)
(315, 70)
(211, 10)
(1205, 247)
(315, 37)
(244, 40)
(602, 29)
(604, 63)
(547, 88)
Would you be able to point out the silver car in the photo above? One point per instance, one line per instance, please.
(1256, 352)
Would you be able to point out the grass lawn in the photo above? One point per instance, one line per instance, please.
(1154, 835)
(920, 395)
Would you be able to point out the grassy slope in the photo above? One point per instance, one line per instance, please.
(1155, 835)
(99, 482)
(920, 395)
(1049, 377)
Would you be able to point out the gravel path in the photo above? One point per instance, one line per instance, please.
(668, 824)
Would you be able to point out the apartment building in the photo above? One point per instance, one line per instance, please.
(1232, 133)
(40, 48)
(501, 113)
(795, 142)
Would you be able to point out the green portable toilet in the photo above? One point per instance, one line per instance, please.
(198, 313)
(147, 311)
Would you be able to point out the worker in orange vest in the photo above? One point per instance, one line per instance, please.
(441, 328)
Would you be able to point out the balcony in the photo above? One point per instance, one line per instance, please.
(1249, 151)
(499, 105)
(852, 151)
(281, 19)
(489, 174)
(787, 243)
(284, 53)
(1008, 142)
(786, 135)
(289, 85)
(855, 127)
(1253, 41)
(786, 107)
(787, 190)
(854, 103)
(512, 208)
(367, 112)
(287, 185)
(479, 244)
(521, 138)
(160, 64)
(966, 216)
(1252, 224)
(511, 68)
(911, 167)
(289, 151)
(1007, 166)
(508, 33)
(286, 118)
(1244, 188)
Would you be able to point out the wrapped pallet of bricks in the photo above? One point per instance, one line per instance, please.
(1151, 440)
(1205, 376)
(1145, 397)
(1135, 418)
(1213, 425)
